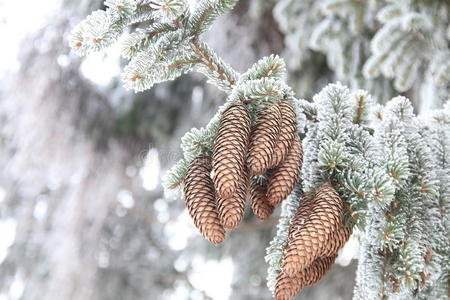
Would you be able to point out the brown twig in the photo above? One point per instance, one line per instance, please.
(181, 63)
(271, 69)
(210, 64)
(359, 111)
(205, 58)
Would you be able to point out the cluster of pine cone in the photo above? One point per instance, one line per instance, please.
(316, 233)
(262, 163)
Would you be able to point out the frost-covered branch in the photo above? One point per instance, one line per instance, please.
(163, 50)
(380, 46)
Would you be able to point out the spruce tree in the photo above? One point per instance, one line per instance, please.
(339, 164)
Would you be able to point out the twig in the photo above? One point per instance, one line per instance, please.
(205, 59)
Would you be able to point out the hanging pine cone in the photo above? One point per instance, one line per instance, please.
(200, 200)
(230, 148)
(288, 132)
(303, 211)
(312, 239)
(260, 206)
(263, 140)
(285, 176)
(287, 287)
(231, 210)
(335, 243)
(343, 232)
(338, 240)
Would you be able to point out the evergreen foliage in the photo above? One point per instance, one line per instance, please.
(382, 46)
(391, 168)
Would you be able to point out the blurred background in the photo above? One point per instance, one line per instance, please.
(82, 211)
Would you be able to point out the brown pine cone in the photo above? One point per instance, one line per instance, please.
(231, 210)
(230, 148)
(263, 140)
(318, 269)
(284, 177)
(260, 207)
(287, 287)
(300, 216)
(338, 240)
(200, 200)
(315, 235)
(288, 132)
(342, 233)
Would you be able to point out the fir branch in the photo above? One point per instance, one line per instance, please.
(102, 28)
(142, 39)
(151, 66)
(168, 10)
(183, 62)
(143, 13)
(206, 12)
(214, 68)
(267, 67)
(363, 102)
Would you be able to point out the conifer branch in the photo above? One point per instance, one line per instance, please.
(219, 69)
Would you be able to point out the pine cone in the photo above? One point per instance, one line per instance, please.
(338, 240)
(231, 210)
(300, 216)
(287, 287)
(284, 178)
(314, 236)
(288, 132)
(230, 148)
(263, 140)
(343, 232)
(200, 200)
(261, 208)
